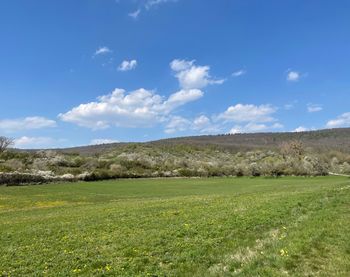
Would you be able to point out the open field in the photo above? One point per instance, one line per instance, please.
(178, 227)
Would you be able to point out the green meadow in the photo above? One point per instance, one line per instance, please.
(290, 226)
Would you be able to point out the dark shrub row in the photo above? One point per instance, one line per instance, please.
(17, 178)
(13, 179)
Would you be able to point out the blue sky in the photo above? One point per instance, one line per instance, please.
(91, 71)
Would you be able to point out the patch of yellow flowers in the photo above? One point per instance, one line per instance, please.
(284, 252)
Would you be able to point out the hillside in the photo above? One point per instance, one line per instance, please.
(320, 140)
(264, 154)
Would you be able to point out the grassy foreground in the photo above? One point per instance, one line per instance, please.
(177, 227)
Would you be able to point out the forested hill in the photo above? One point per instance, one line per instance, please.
(319, 141)
(261, 154)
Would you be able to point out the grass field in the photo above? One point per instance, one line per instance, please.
(178, 227)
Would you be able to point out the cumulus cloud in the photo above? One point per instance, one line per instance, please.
(300, 129)
(180, 65)
(127, 65)
(139, 108)
(102, 141)
(202, 124)
(191, 76)
(176, 124)
(102, 50)
(143, 108)
(293, 76)
(239, 73)
(313, 108)
(248, 118)
(37, 142)
(180, 98)
(341, 121)
(27, 123)
(248, 113)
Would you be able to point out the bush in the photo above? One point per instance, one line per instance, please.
(13, 179)
(185, 172)
(97, 175)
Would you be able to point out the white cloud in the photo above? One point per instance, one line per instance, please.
(180, 98)
(301, 129)
(176, 124)
(102, 50)
(142, 108)
(288, 107)
(277, 125)
(135, 14)
(341, 121)
(248, 113)
(28, 123)
(239, 73)
(127, 65)
(312, 108)
(180, 65)
(147, 5)
(191, 76)
(139, 108)
(202, 124)
(293, 76)
(152, 3)
(254, 127)
(37, 142)
(249, 118)
(254, 118)
(102, 141)
(248, 128)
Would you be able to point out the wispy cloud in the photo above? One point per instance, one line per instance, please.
(153, 3)
(135, 14)
(239, 73)
(27, 123)
(102, 51)
(38, 142)
(148, 5)
(313, 108)
(290, 105)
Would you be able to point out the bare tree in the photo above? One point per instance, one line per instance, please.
(293, 148)
(5, 143)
